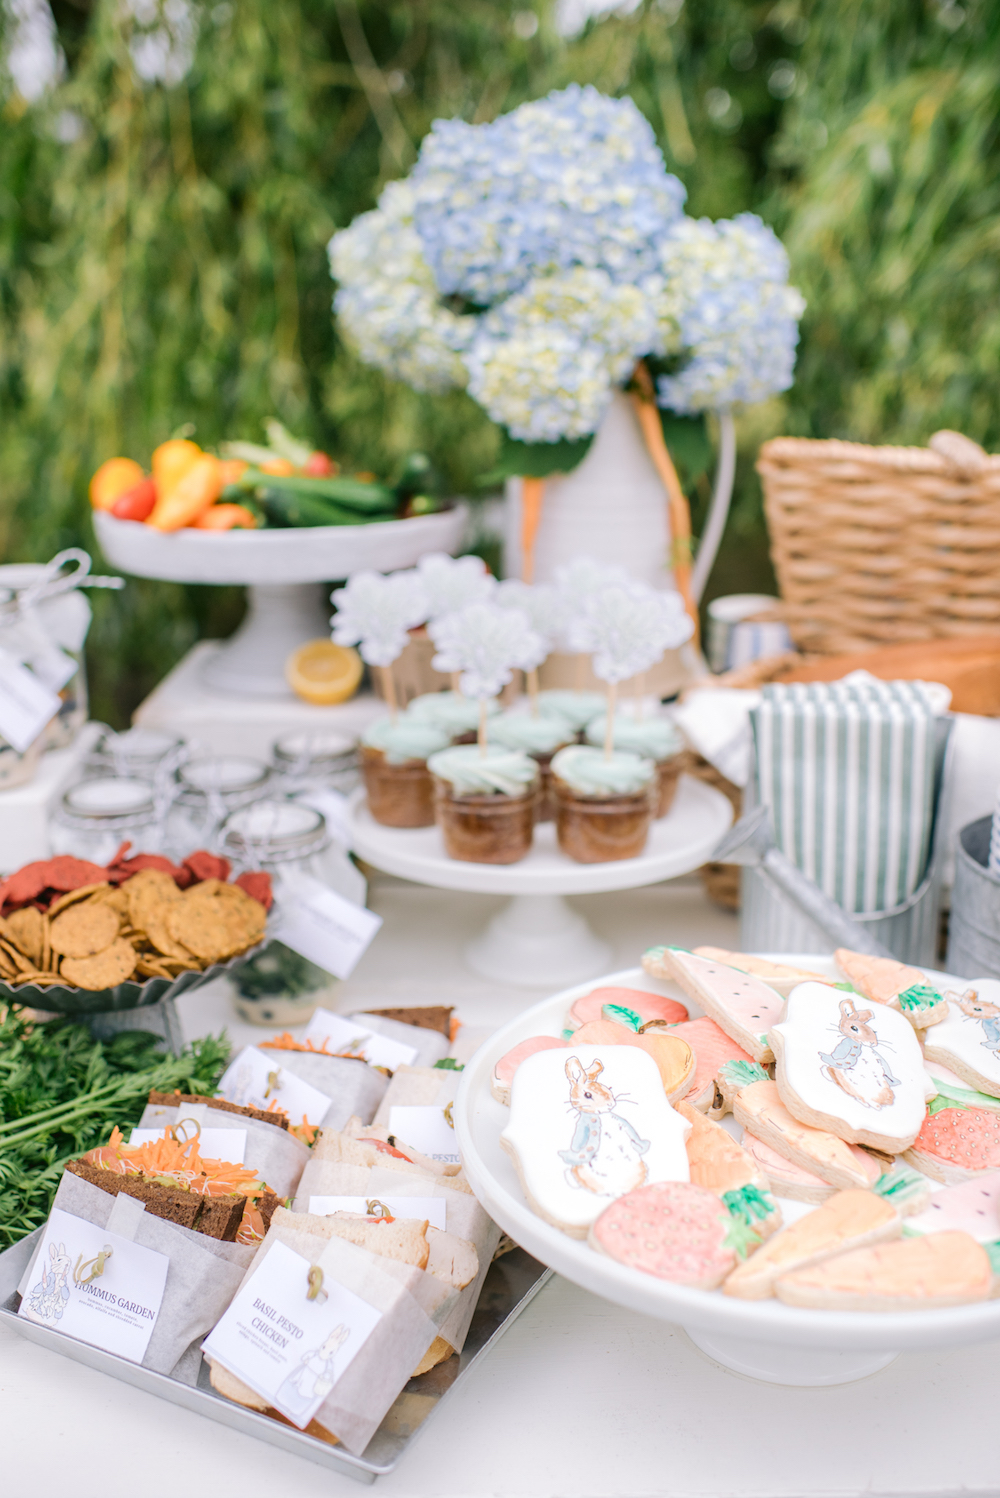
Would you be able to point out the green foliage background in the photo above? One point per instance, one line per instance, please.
(162, 250)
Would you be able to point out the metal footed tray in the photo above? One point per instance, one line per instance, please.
(56, 998)
(513, 1280)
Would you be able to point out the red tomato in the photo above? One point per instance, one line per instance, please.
(136, 503)
(320, 466)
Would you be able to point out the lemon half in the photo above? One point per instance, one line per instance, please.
(324, 673)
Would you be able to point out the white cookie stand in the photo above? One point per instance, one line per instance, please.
(763, 1339)
(537, 938)
(281, 570)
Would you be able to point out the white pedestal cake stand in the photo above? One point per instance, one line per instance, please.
(537, 938)
(282, 571)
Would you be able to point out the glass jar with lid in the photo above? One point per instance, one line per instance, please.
(317, 759)
(95, 816)
(209, 787)
(140, 752)
(280, 987)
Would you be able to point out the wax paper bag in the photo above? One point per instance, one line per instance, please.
(202, 1277)
(412, 1304)
(417, 1087)
(277, 1156)
(430, 1045)
(353, 1087)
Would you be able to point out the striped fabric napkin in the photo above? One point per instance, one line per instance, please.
(848, 770)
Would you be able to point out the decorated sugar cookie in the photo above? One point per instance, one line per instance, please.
(712, 1047)
(718, 1162)
(941, 1269)
(673, 1056)
(883, 980)
(740, 1004)
(776, 975)
(503, 1072)
(674, 1231)
(972, 1207)
(950, 1091)
(587, 1125)
(849, 1220)
(756, 1104)
(857, 1072)
(968, 1038)
(624, 1003)
(785, 1178)
(956, 1144)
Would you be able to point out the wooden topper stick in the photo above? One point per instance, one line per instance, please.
(531, 681)
(609, 732)
(532, 493)
(644, 404)
(481, 735)
(640, 692)
(389, 690)
(455, 676)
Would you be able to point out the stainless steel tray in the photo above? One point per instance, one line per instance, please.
(511, 1283)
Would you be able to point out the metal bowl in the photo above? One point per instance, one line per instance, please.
(64, 999)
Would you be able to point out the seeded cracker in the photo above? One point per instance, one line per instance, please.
(148, 892)
(84, 929)
(83, 893)
(104, 970)
(25, 928)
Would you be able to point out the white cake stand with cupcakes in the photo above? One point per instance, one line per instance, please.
(537, 938)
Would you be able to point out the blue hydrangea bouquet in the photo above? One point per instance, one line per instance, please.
(538, 259)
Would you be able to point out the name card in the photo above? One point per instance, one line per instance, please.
(96, 1286)
(334, 808)
(213, 1144)
(431, 1207)
(256, 1079)
(321, 925)
(349, 1035)
(427, 1129)
(290, 1350)
(27, 705)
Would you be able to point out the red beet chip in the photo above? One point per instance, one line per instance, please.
(129, 866)
(258, 886)
(207, 866)
(62, 873)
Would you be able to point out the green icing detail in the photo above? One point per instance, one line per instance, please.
(846, 987)
(654, 952)
(448, 1063)
(743, 1072)
(739, 1237)
(941, 1102)
(749, 1204)
(901, 1184)
(568, 1033)
(622, 1016)
(919, 997)
(963, 1098)
(762, 1039)
(909, 1232)
(993, 1249)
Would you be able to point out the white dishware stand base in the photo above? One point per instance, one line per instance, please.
(798, 1367)
(537, 939)
(278, 620)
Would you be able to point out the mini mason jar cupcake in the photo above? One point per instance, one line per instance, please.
(576, 708)
(604, 804)
(485, 803)
(456, 716)
(398, 784)
(654, 738)
(541, 738)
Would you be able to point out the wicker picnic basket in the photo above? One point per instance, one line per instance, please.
(877, 545)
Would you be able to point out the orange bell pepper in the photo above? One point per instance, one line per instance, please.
(225, 518)
(279, 466)
(112, 479)
(199, 487)
(232, 470)
(171, 461)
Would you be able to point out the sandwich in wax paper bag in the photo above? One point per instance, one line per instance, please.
(328, 1333)
(271, 1149)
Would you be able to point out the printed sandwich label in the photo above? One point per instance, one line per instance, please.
(95, 1286)
(256, 1079)
(27, 705)
(321, 925)
(428, 1129)
(334, 1033)
(432, 1208)
(213, 1144)
(289, 1349)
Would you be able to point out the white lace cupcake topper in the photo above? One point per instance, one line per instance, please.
(376, 613)
(546, 607)
(626, 629)
(451, 583)
(486, 644)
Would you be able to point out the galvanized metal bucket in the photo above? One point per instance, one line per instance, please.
(974, 928)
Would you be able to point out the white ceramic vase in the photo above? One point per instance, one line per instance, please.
(612, 507)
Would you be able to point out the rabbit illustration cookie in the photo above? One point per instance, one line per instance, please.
(675, 1231)
(503, 1072)
(968, 1038)
(972, 1207)
(739, 1003)
(776, 975)
(648, 1006)
(587, 1125)
(673, 1056)
(941, 1269)
(857, 1072)
(711, 1047)
(717, 1162)
(883, 980)
(851, 1219)
(956, 1144)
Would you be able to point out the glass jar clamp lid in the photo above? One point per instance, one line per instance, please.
(273, 831)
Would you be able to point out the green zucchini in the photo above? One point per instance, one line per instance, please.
(351, 494)
(299, 510)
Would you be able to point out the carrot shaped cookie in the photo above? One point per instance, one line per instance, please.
(882, 980)
(849, 1220)
(740, 1004)
(968, 1038)
(786, 1179)
(757, 1105)
(674, 1231)
(723, 1166)
(941, 1269)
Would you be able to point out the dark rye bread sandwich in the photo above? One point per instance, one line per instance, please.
(431, 1017)
(215, 1216)
(175, 1099)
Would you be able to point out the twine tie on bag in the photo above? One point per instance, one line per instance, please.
(95, 1265)
(315, 1282)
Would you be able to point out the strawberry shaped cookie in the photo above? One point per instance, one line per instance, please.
(883, 980)
(956, 1144)
(968, 1038)
(674, 1231)
(623, 1002)
(855, 1071)
(740, 1004)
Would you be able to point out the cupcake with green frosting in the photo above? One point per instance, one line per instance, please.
(485, 802)
(576, 708)
(453, 714)
(604, 802)
(653, 738)
(398, 784)
(540, 737)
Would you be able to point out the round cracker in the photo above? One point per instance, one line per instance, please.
(113, 965)
(26, 929)
(216, 927)
(148, 891)
(84, 929)
(83, 893)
